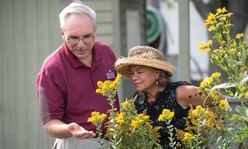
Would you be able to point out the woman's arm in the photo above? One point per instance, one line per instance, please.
(186, 95)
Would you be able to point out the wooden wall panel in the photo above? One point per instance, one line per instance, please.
(19, 74)
(1, 79)
(99, 5)
(104, 17)
(7, 52)
(29, 33)
(31, 70)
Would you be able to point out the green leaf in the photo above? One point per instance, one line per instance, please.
(244, 117)
(245, 131)
(244, 80)
(224, 85)
(239, 109)
(240, 64)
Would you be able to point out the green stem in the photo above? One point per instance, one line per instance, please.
(157, 144)
(243, 107)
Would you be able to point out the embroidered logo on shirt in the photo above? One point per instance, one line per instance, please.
(110, 74)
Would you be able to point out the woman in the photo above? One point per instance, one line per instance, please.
(150, 75)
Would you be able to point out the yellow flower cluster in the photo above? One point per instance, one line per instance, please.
(206, 83)
(203, 46)
(139, 119)
(212, 18)
(216, 75)
(238, 36)
(166, 115)
(188, 136)
(108, 87)
(97, 118)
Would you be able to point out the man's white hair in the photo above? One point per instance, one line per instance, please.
(76, 7)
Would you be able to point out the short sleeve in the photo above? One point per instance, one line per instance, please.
(52, 105)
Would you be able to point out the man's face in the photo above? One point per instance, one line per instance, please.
(79, 26)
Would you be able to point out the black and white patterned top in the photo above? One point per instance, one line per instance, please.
(165, 100)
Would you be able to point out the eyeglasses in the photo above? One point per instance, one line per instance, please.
(76, 40)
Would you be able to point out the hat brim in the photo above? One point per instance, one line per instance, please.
(122, 65)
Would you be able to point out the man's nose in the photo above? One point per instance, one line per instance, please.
(81, 43)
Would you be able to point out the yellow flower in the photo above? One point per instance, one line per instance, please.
(211, 28)
(246, 94)
(223, 105)
(166, 114)
(188, 136)
(140, 118)
(224, 10)
(126, 105)
(118, 77)
(120, 118)
(234, 43)
(223, 18)
(208, 50)
(234, 115)
(216, 75)
(98, 90)
(211, 16)
(241, 120)
(238, 36)
(199, 111)
(233, 50)
(220, 23)
(99, 83)
(223, 42)
(218, 10)
(229, 14)
(207, 22)
(209, 123)
(207, 81)
(96, 117)
(214, 96)
(102, 116)
(201, 47)
(134, 123)
(209, 43)
(216, 50)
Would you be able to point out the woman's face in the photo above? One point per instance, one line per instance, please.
(143, 78)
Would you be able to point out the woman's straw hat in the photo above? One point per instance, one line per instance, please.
(145, 56)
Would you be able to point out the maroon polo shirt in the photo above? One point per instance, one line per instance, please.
(70, 85)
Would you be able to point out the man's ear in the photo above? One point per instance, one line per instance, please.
(62, 33)
(95, 30)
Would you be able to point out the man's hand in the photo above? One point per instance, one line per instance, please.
(79, 132)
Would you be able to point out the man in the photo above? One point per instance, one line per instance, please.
(70, 75)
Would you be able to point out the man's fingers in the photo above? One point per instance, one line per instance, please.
(84, 135)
